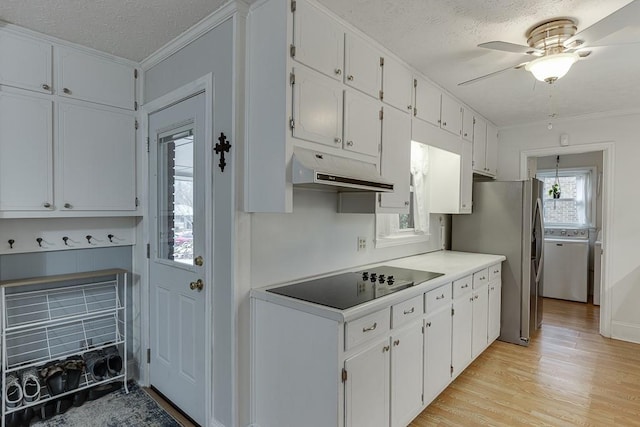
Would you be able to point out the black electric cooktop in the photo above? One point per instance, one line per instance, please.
(347, 290)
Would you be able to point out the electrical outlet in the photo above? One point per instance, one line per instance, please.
(362, 243)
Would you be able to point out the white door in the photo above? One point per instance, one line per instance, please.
(407, 347)
(362, 125)
(427, 103)
(397, 85)
(479, 145)
(461, 333)
(177, 284)
(437, 353)
(451, 115)
(396, 158)
(494, 310)
(362, 66)
(480, 320)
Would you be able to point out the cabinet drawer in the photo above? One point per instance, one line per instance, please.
(462, 286)
(480, 278)
(494, 272)
(367, 327)
(405, 311)
(437, 298)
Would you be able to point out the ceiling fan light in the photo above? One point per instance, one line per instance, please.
(551, 67)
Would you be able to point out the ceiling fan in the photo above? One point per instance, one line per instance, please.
(556, 45)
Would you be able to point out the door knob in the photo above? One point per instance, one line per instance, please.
(197, 285)
(199, 261)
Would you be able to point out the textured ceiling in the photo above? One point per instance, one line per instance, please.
(438, 37)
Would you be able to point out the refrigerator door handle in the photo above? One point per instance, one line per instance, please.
(540, 218)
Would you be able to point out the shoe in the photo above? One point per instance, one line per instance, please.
(53, 375)
(73, 368)
(113, 359)
(13, 391)
(26, 416)
(30, 385)
(96, 365)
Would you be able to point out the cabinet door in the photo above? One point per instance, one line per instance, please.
(492, 150)
(479, 144)
(96, 158)
(406, 373)
(362, 124)
(397, 85)
(26, 63)
(94, 78)
(437, 353)
(467, 124)
(317, 108)
(480, 320)
(461, 334)
(318, 40)
(362, 66)
(396, 158)
(451, 115)
(26, 160)
(466, 177)
(495, 304)
(366, 391)
(427, 103)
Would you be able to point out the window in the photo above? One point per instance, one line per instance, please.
(573, 207)
(413, 227)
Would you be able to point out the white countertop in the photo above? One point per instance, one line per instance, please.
(454, 265)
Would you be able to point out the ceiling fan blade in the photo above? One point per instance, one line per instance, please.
(495, 73)
(511, 47)
(623, 17)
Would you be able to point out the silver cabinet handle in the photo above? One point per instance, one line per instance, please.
(46, 205)
(483, 278)
(350, 78)
(338, 71)
(385, 348)
(444, 123)
(406, 203)
(66, 90)
(440, 297)
(492, 288)
(496, 271)
(475, 297)
(337, 140)
(68, 206)
(349, 143)
(371, 328)
(428, 324)
(471, 299)
(465, 286)
(46, 86)
(410, 311)
(396, 343)
(465, 134)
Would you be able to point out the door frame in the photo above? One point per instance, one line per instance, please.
(608, 157)
(203, 84)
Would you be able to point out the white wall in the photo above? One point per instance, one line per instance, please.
(623, 238)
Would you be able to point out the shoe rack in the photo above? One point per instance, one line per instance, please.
(52, 318)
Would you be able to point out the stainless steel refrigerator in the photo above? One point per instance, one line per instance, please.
(507, 220)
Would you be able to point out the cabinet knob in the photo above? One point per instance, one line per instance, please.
(385, 348)
(337, 140)
(428, 324)
(66, 90)
(475, 297)
(444, 123)
(409, 107)
(46, 205)
(406, 203)
(349, 143)
(46, 86)
(350, 78)
(338, 71)
(67, 206)
(465, 134)
(370, 328)
(464, 206)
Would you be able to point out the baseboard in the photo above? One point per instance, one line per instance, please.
(625, 331)
(216, 423)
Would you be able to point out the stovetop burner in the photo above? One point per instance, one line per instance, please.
(347, 290)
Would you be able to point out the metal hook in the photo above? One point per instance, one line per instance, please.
(89, 237)
(65, 239)
(11, 242)
(39, 240)
(110, 236)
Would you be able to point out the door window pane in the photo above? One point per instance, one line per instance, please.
(175, 196)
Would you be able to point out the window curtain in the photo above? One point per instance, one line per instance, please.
(420, 171)
(581, 197)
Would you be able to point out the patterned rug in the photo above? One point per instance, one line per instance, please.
(117, 409)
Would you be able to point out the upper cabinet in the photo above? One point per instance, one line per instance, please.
(485, 148)
(95, 79)
(26, 63)
(451, 115)
(396, 158)
(363, 66)
(396, 86)
(437, 108)
(467, 124)
(318, 40)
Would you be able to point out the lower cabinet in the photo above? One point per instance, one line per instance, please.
(366, 393)
(437, 352)
(461, 334)
(406, 373)
(495, 302)
(480, 320)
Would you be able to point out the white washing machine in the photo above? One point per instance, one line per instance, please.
(566, 264)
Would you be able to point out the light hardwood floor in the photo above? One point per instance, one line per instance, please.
(568, 376)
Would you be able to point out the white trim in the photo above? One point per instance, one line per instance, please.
(204, 83)
(588, 116)
(591, 184)
(625, 331)
(608, 157)
(399, 240)
(211, 21)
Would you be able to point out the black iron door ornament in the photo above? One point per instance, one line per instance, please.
(223, 146)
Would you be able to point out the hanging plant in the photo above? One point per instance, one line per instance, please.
(554, 191)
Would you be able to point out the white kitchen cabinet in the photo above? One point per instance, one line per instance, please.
(26, 62)
(96, 158)
(396, 158)
(396, 85)
(437, 352)
(451, 115)
(93, 78)
(363, 66)
(362, 124)
(495, 301)
(26, 151)
(461, 334)
(427, 102)
(485, 148)
(491, 160)
(317, 108)
(318, 40)
(480, 320)
(466, 177)
(467, 124)
(367, 388)
(406, 373)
